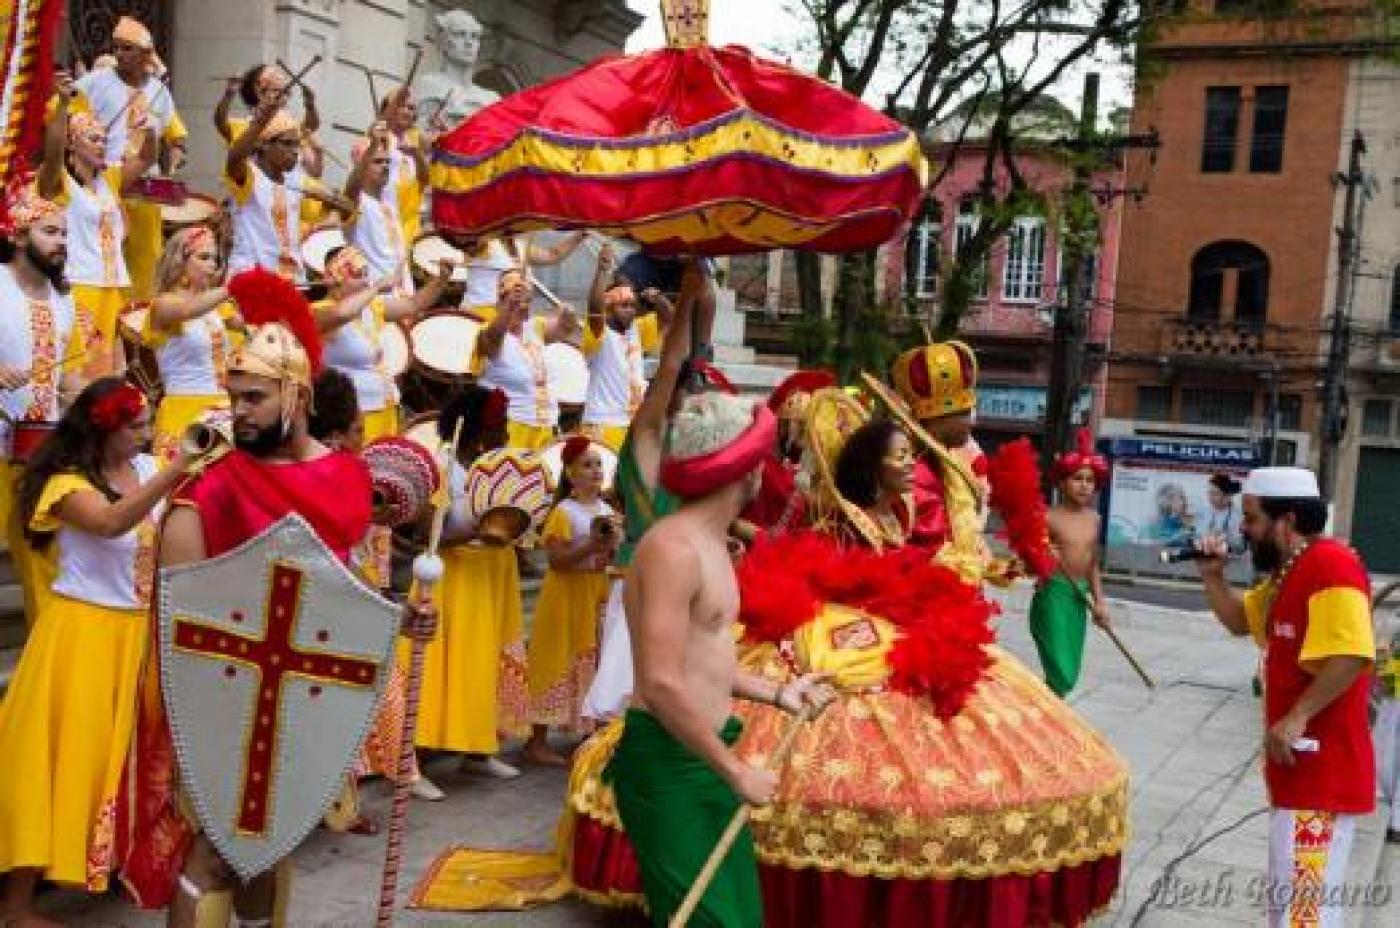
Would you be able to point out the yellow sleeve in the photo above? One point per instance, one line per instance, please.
(649, 333)
(1256, 605)
(591, 342)
(56, 491)
(241, 192)
(65, 196)
(175, 131)
(311, 210)
(557, 526)
(113, 176)
(1339, 625)
(236, 127)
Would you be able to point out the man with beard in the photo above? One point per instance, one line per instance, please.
(1312, 616)
(275, 469)
(41, 348)
(676, 775)
(614, 341)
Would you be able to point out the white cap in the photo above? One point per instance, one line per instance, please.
(1282, 483)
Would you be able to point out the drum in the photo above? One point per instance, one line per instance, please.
(553, 458)
(318, 244)
(26, 439)
(429, 250)
(568, 374)
(507, 493)
(443, 345)
(195, 209)
(404, 476)
(394, 345)
(167, 191)
(423, 430)
(141, 362)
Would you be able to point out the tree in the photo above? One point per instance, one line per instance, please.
(974, 68)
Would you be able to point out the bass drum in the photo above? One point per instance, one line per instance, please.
(441, 349)
(141, 366)
(553, 458)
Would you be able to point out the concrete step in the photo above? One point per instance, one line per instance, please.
(733, 354)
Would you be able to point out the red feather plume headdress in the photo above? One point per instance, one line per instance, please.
(264, 298)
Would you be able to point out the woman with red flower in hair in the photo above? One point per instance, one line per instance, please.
(68, 716)
(580, 535)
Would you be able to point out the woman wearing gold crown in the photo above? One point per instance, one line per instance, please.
(946, 786)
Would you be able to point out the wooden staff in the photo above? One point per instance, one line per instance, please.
(731, 833)
(1117, 642)
(427, 571)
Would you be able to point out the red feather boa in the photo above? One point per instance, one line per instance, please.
(1014, 474)
(943, 623)
(264, 297)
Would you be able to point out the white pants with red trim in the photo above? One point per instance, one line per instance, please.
(1387, 737)
(1308, 854)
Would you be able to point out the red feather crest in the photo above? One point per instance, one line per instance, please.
(1014, 474)
(264, 297)
(943, 624)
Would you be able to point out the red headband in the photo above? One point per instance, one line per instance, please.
(117, 408)
(701, 475)
(1082, 458)
(574, 449)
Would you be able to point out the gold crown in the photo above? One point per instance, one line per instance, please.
(938, 379)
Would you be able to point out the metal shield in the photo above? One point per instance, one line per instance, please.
(273, 658)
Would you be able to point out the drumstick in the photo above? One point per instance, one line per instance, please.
(442, 105)
(162, 79)
(413, 68)
(374, 104)
(545, 292)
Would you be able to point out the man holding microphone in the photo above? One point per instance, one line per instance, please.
(1311, 614)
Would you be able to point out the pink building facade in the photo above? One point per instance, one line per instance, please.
(1011, 318)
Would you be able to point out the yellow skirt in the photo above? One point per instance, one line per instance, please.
(143, 246)
(35, 570)
(563, 651)
(382, 423)
(529, 437)
(174, 415)
(610, 435)
(65, 726)
(473, 675)
(101, 307)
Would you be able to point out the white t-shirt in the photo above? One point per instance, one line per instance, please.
(51, 328)
(519, 371)
(96, 230)
(616, 376)
(355, 350)
(257, 238)
(107, 94)
(186, 357)
(482, 274)
(378, 233)
(103, 570)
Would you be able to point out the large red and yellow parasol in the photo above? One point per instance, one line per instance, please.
(686, 149)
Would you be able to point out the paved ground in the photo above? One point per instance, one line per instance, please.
(1192, 744)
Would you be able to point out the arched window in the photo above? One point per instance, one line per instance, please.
(1224, 271)
(1395, 300)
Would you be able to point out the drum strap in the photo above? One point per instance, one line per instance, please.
(107, 230)
(534, 353)
(371, 334)
(136, 109)
(286, 264)
(394, 233)
(218, 348)
(636, 386)
(44, 362)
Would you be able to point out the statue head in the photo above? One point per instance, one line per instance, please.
(460, 37)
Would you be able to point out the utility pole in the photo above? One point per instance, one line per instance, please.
(1071, 317)
(1339, 341)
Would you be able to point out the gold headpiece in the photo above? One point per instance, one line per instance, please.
(938, 379)
(133, 32)
(272, 351)
(281, 124)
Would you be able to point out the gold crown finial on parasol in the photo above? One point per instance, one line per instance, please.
(687, 22)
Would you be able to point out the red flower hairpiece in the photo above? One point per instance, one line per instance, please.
(1083, 457)
(117, 408)
(574, 449)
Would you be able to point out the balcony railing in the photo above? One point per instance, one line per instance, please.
(1224, 341)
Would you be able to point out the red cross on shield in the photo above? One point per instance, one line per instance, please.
(273, 658)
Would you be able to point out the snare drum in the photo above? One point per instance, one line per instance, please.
(443, 346)
(431, 249)
(508, 479)
(393, 345)
(553, 460)
(141, 358)
(318, 244)
(167, 191)
(27, 437)
(195, 209)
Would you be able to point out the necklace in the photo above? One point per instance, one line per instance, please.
(1278, 576)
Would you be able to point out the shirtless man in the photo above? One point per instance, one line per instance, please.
(676, 777)
(1058, 609)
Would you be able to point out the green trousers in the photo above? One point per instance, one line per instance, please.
(1059, 617)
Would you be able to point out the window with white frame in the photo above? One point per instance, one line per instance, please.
(1023, 275)
(925, 244)
(968, 221)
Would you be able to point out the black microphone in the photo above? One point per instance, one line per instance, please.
(1182, 555)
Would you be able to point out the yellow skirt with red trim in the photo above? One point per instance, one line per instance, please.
(1013, 812)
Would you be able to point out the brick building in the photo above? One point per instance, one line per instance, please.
(1226, 270)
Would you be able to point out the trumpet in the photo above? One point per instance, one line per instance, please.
(208, 440)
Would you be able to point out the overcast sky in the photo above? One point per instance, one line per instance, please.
(765, 26)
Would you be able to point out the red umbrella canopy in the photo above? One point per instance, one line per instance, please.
(697, 150)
